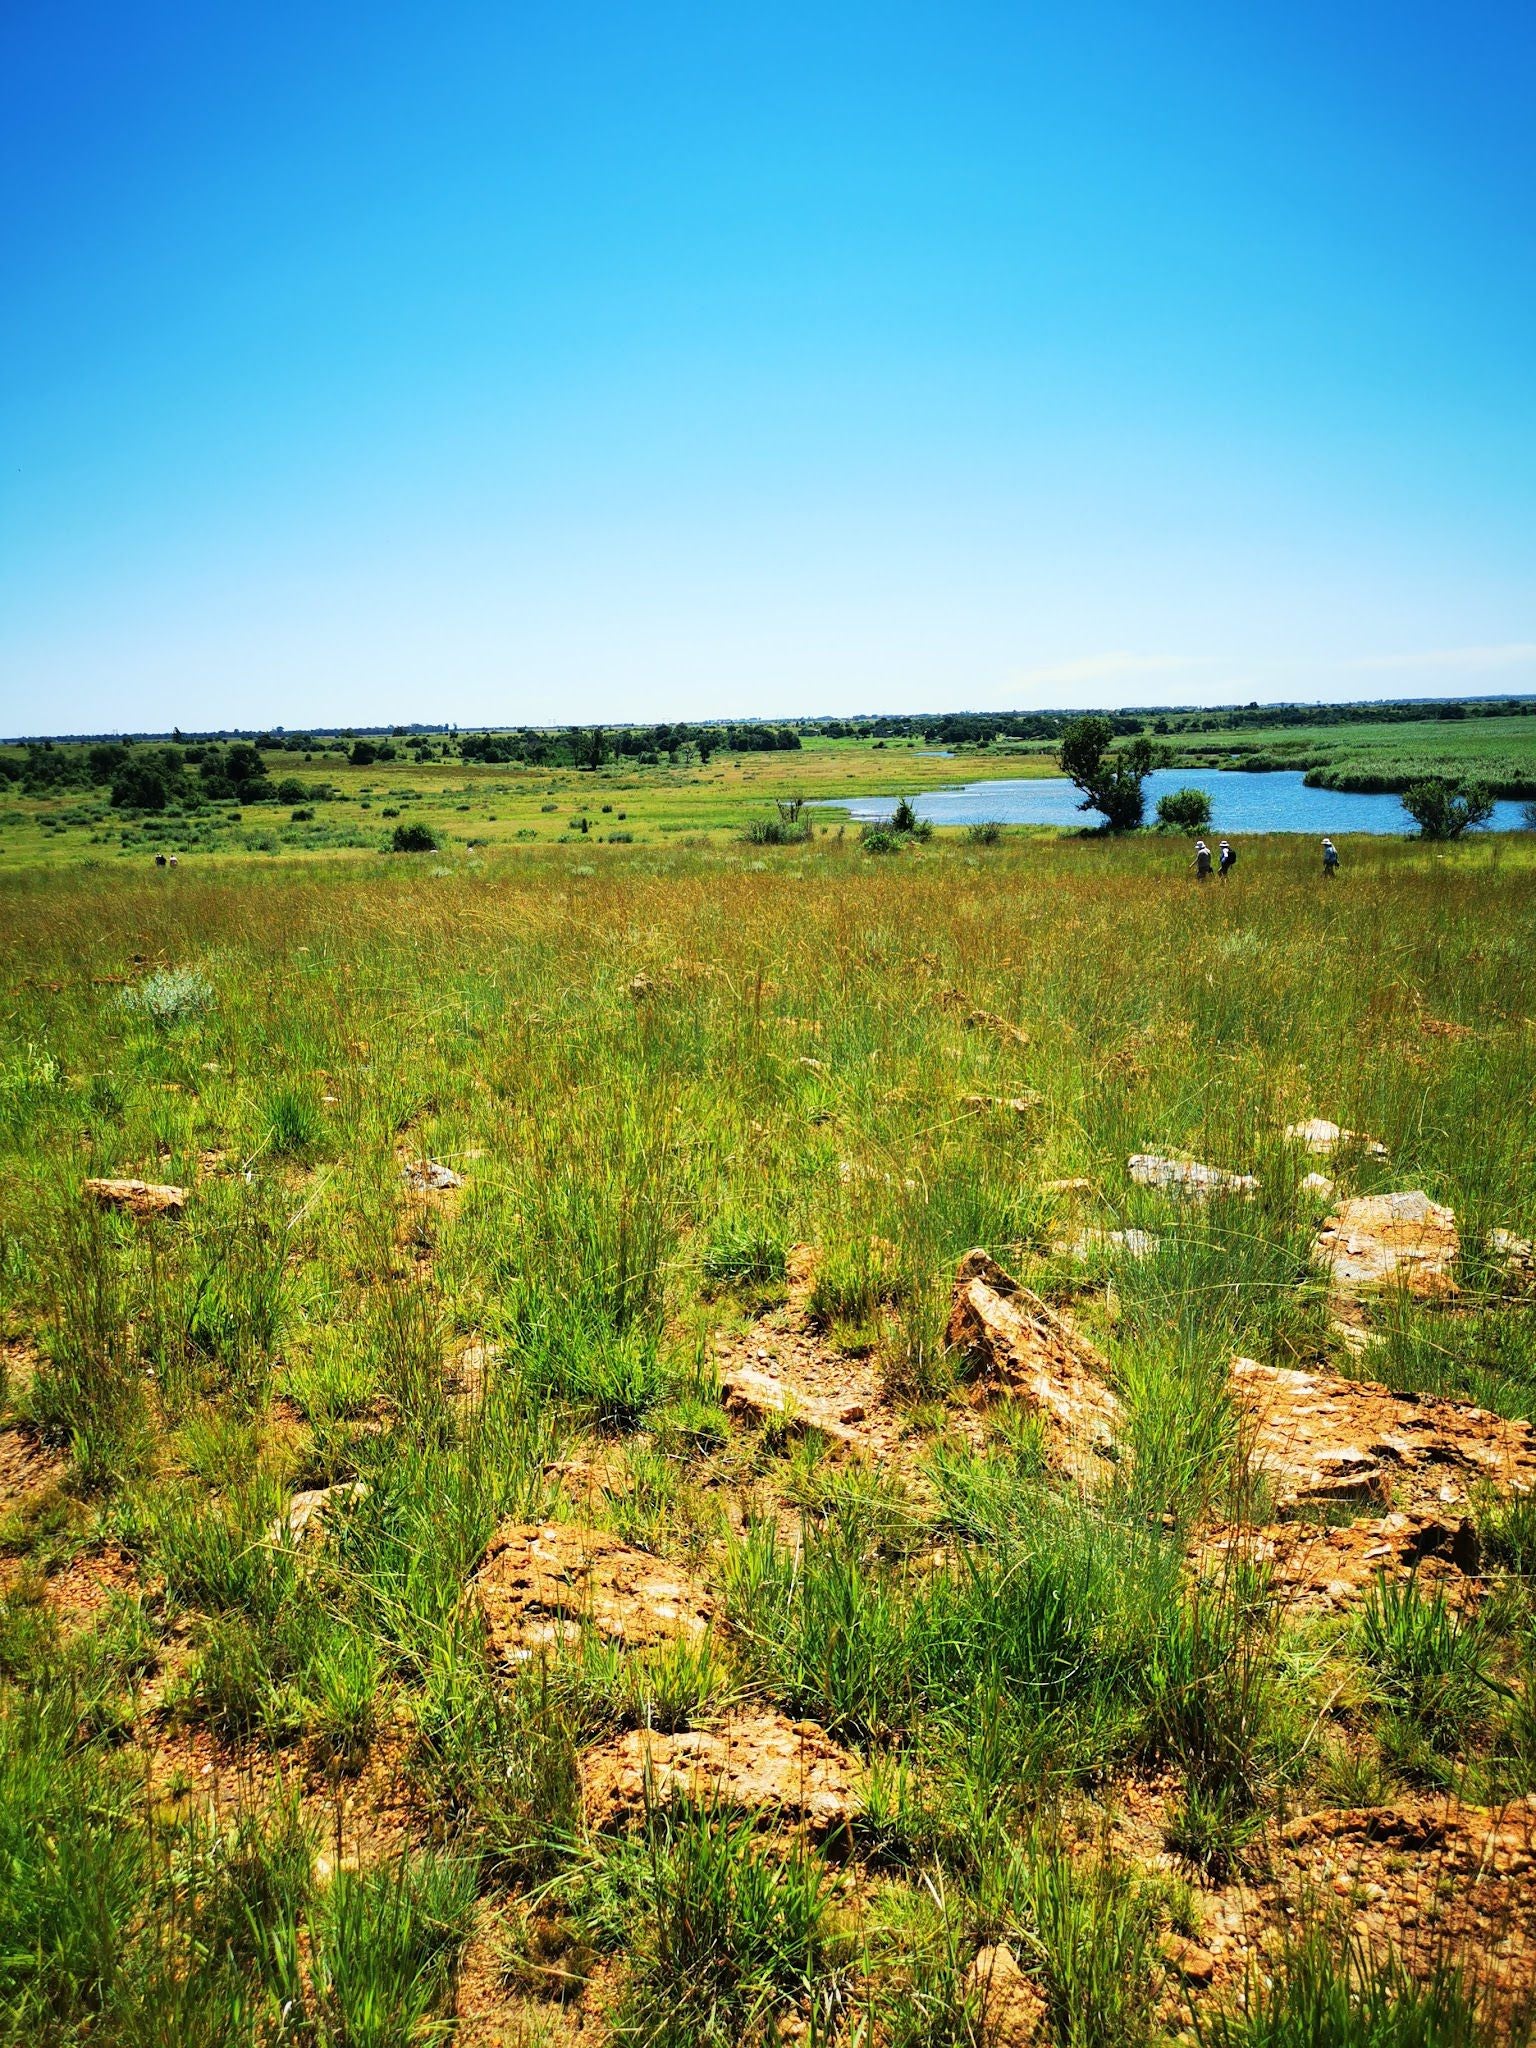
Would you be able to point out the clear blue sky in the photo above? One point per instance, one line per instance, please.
(506, 362)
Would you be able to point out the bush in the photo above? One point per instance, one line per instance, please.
(987, 833)
(1444, 809)
(1184, 810)
(876, 839)
(413, 839)
(170, 995)
(789, 828)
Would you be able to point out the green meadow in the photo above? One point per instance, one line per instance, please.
(703, 1096)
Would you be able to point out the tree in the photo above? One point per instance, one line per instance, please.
(1444, 809)
(1110, 782)
(1184, 810)
(139, 786)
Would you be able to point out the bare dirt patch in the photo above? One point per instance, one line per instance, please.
(26, 1467)
(783, 1374)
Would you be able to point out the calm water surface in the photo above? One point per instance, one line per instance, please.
(1276, 802)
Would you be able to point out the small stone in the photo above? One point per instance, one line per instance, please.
(140, 1198)
(1190, 1180)
(1012, 2008)
(430, 1176)
(304, 1518)
(1196, 1965)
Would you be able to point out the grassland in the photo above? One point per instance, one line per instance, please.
(709, 1104)
(1497, 750)
(468, 802)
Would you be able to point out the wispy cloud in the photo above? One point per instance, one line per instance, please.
(1516, 654)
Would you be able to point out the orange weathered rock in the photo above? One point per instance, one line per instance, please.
(1396, 1240)
(1315, 1436)
(752, 1762)
(541, 1583)
(1017, 1344)
(1317, 1569)
(1009, 2006)
(139, 1197)
(765, 1397)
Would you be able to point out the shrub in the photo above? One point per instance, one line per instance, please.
(413, 839)
(988, 832)
(1443, 808)
(1184, 810)
(169, 996)
(876, 839)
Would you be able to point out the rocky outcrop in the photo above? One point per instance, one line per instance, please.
(753, 1763)
(1016, 1344)
(541, 1583)
(764, 1397)
(1399, 1240)
(140, 1198)
(1318, 1438)
(1315, 1569)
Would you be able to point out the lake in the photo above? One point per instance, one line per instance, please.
(1276, 802)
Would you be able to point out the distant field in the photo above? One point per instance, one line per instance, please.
(500, 805)
(627, 802)
(1499, 751)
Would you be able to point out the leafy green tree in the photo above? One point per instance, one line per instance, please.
(1444, 809)
(1184, 810)
(139, 786)
(1110, 782)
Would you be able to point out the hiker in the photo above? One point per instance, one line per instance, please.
(1202, 860)
(1226, 859)
(1330, 860)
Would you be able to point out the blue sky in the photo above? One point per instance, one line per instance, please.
(514, 363)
